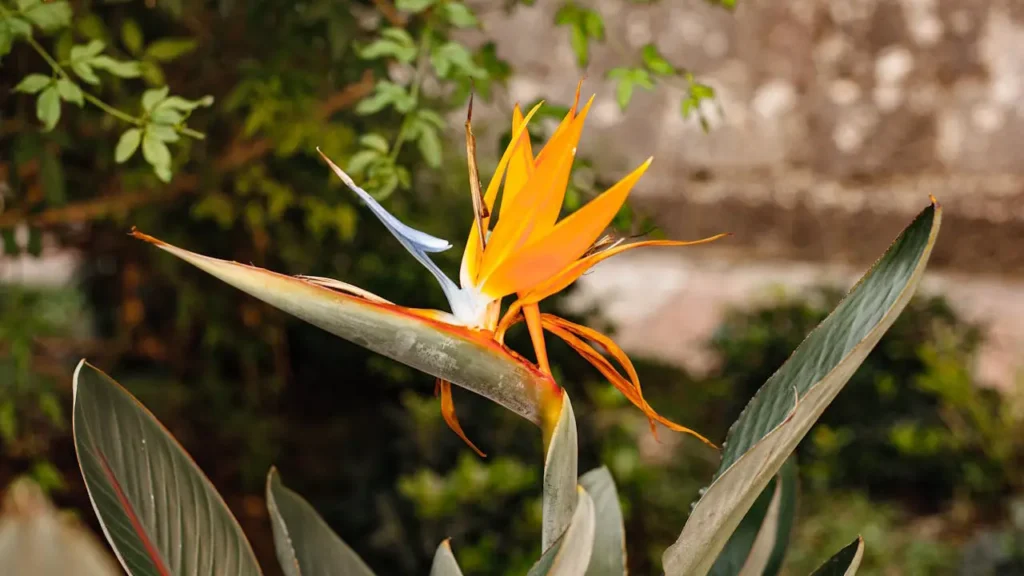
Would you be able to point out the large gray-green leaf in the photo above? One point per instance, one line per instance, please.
(305, 544)
(37, 539)
(570, 554)
(780, 530)
(758, 545)
(444, 562)
(609, 555)
(560, 477)
(464, 357)
(159, 512)
(733, 558)
(789, 403)
(845, 562)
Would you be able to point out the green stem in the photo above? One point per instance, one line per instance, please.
(417, 80)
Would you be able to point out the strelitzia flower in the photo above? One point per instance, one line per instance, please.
(528, 253)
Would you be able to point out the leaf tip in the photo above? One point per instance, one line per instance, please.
(935, 202)
(74, 380)
(135, 233)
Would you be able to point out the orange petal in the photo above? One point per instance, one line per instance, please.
(563, 125)
(564, 244)
(520, 166)
(571, 273)
(533, 324)
(631, 392)
(540, 197)
(448, 411)
(471, 256)
(607, 343)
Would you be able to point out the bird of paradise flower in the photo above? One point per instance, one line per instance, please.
(528, 253)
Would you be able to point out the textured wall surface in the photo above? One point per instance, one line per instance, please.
(836, 119)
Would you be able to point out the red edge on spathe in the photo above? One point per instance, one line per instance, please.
(478, 336)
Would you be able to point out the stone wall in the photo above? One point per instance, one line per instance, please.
(835, 121)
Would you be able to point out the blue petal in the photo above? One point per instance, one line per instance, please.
(416, 242)
(419, 239)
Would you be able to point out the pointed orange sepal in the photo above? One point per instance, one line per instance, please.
(448, 412)
(567, 331)
(571, 273)
(533, 323)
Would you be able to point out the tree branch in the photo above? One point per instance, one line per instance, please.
(239, 153)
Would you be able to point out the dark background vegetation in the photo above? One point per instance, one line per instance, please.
(912, 454)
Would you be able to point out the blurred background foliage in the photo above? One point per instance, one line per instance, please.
(913, 451)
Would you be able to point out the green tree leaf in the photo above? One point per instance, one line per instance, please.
(154, 96)
(162, 132)
(374, 142)
(33, 83)
(386, 93)
(48, 107)
(414, 6)
(395, 43)
(167, 49)
(305, 544)
(655, 62)
(48, 16)
(184, 105)
(429, 144)
(144, 488)
(85, 72)
(361, 160)
(86, 52)
(131, 36)
(789, 403)
(154, 150)
(163, 172)
(459, 15)
(70, 91)
(127, 144)
(11, 28)
(580, 45)
(624, 92)
(454, 56)
(121, 69)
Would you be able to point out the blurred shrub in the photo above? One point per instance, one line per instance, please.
(899, 545)
(912, 424)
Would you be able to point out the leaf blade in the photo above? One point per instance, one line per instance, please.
(846, 562)
(305, 544)
(122, 448)
(570, 555)
(791, 400)
(444, 561)
(609, 555)
(560, 477)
